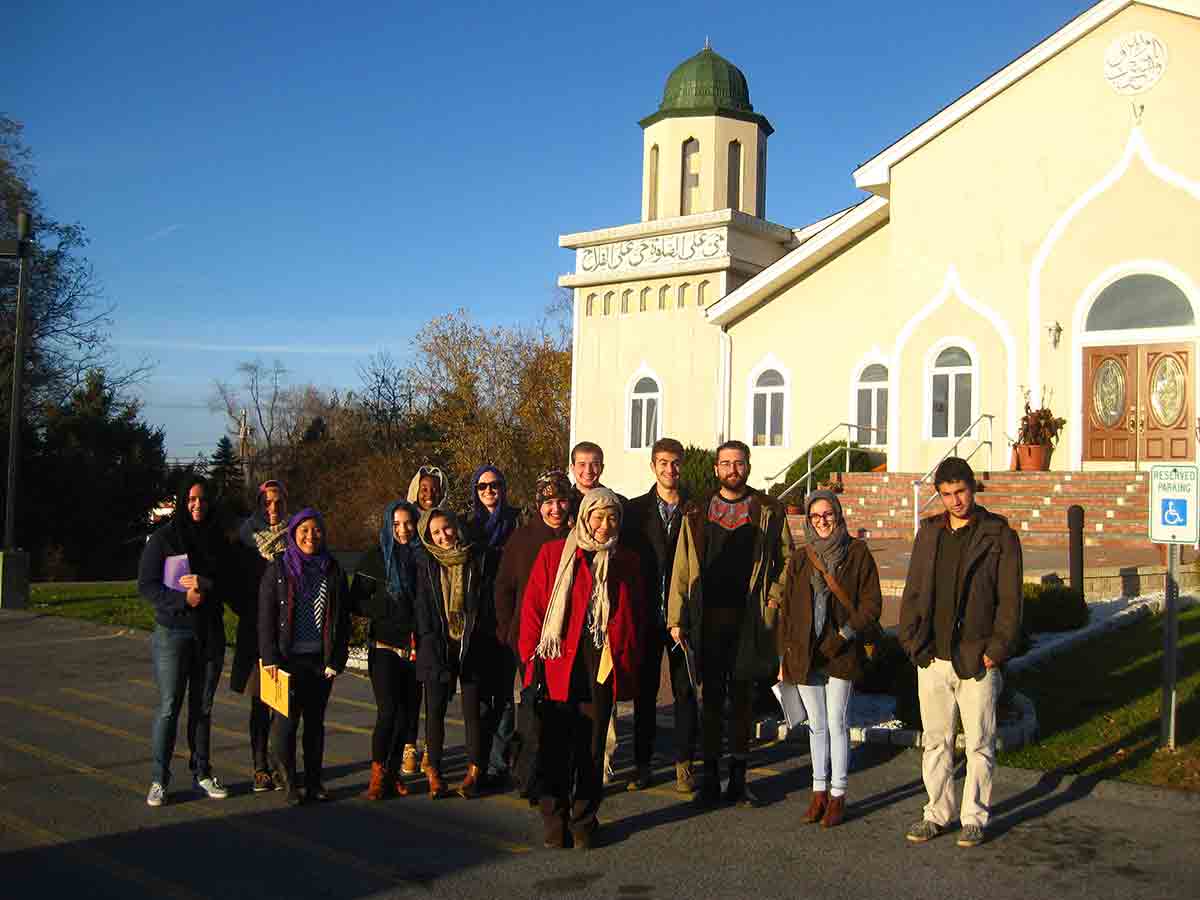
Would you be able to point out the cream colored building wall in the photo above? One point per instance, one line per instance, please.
(674, 345)
(714, 134)
(999, 227)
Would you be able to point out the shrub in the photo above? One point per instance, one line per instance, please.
(1053, 607)
(889, 671)
(859, 462)
(696, 474)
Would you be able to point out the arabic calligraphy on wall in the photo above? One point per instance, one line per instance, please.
(623, 256)
(1134, 62)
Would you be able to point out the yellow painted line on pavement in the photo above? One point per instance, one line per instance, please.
(75, 640)
(45, 838)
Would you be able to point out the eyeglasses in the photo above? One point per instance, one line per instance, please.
(817, 518)
(493, 486)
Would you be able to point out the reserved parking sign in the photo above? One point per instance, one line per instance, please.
(1174, 498)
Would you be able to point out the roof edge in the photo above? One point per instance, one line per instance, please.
(714, 110)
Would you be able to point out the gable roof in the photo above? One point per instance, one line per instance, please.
(875, 174)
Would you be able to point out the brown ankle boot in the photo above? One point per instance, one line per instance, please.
(396, 779)
(816, 807)
(469, 789)
(437, 787)
(378, 787)
(835, 812)
(553, 824)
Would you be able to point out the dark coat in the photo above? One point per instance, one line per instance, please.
(207, 621)
(393, 616)
(515, 565)
(276, 610)
(250, 570)
(859, 578)
(642, 532)
(434, 660)
(988, 618)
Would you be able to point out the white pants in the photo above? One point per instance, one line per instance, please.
(944, 698)
(826, 699)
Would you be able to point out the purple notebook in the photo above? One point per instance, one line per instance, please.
(174, 568)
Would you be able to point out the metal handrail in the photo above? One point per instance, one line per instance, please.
(812, 467)
(918, 506)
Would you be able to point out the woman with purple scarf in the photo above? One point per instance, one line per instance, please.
(304, 629)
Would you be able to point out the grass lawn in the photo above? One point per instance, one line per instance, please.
(105, 603)
(1098, 707)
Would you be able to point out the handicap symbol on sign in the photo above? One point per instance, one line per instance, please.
(1175, 512)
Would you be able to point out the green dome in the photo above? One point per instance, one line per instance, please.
(706, 85)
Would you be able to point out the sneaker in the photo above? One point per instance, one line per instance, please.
(685, 780)
(924, 831)
(263, 782)
(157, 795)
(641, 780)
(409, 762)
(209, 786)
(970, 836)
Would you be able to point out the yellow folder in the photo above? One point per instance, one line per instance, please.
(273, 686)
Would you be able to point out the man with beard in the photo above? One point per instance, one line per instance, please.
(724, 598)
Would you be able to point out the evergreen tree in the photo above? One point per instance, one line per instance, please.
(225, 474)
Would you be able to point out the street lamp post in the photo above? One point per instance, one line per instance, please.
(14, 564)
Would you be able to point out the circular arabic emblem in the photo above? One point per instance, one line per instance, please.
(1108, 393)
(1167, 390)
(1134, 62)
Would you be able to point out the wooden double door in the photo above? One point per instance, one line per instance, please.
(1137, 404)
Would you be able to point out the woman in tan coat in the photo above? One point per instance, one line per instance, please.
(831, 597)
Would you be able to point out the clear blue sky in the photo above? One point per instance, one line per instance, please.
(311, 183)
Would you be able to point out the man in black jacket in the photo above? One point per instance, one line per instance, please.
(960, 620)
(652, 529)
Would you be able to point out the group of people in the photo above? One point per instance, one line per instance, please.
(542, 623)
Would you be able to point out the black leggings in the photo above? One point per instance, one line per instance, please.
(392, 678)
(309, 697)
(260, 731)
(437, 699)
(571, 762)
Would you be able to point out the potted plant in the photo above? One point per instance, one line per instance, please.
(1037, 436)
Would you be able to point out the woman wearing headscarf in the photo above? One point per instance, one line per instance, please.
(490, 522)
(580, 632)
(261, 539)
(188, 643)
(447, 615)
(304, 629)
(831, 598)
(384, 590)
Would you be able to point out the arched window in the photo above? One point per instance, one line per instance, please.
(733, 189)
(644, 402)
(681, 297)
(689, 182)
(590, 308)
(644, 302)
(1140, 301)
(871, 394)
(663, 293)
(701, 290)
(625, 295)
(951, 392)
(761, 200)
(652, 204)
(768, 399)
(608, 302)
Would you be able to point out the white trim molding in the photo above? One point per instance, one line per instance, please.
(1135, 148)
(1081, 339)
(724, 387)
(643, 371)
(574, 369)
(770, 361)
(951, 287)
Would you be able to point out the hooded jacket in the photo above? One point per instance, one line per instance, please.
(414, 488)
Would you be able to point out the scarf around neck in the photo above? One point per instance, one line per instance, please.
(581, 538)
(399, 560)
(497, 524)
(302, 569)
(830, 550)
(452, 564)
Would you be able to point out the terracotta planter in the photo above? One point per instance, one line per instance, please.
(793, 510)
(1033, 457)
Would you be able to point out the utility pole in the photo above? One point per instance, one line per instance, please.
(14, 564)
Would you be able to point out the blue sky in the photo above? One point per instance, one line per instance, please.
(313, 184)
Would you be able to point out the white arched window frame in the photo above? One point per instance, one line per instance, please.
(733, 187)
(870, 401)
(652, 205)
(768, 404)
(643, 409)
(644, 301)
(952, 388)
(689, 177)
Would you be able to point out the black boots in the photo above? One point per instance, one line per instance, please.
(737, 790)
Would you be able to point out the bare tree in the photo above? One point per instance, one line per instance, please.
(262, 392)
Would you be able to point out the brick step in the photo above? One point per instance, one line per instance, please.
(998, 477)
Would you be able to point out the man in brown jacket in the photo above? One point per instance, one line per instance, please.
(960, 619)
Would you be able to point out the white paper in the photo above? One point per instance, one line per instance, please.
(791, 703)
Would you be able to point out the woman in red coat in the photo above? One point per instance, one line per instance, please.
(580, 617)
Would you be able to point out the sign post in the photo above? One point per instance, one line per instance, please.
(1174, 520)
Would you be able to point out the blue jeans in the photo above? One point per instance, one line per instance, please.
(826, 699)
(179, 667)
(506, 727)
